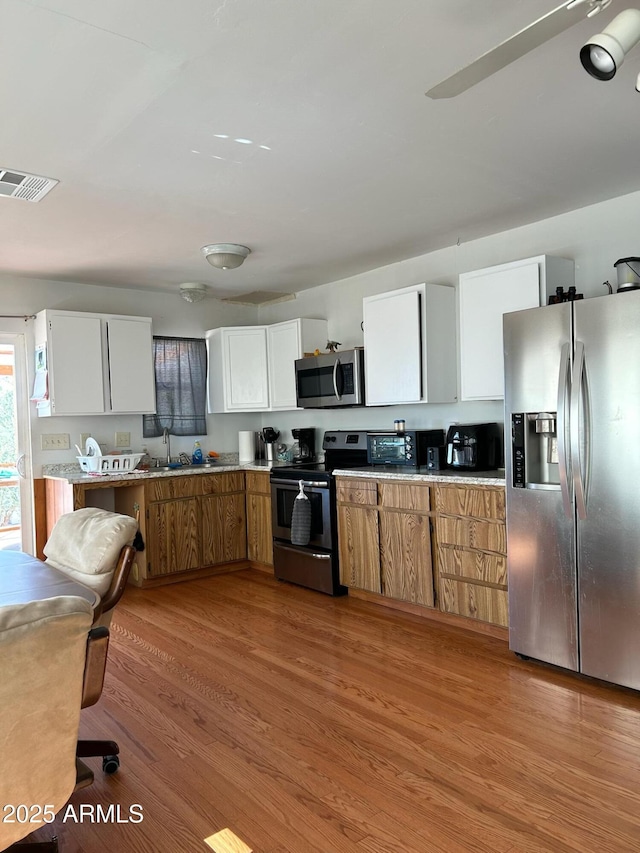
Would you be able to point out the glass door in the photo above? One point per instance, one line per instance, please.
(16, 485)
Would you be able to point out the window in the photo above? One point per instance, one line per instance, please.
(181, 387)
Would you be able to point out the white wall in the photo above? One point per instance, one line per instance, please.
(594, 237)
(171, 316)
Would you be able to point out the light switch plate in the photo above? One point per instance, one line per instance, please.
(55, 441)
(123, 439)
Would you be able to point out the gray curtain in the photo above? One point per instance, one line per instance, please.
(181, 387)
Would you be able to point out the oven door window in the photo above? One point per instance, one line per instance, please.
(283, 498)
(284, 509)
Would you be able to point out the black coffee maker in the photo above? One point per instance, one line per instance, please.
(304, 447)
(474, 447)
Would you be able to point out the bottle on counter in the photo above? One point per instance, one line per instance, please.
(197, 457)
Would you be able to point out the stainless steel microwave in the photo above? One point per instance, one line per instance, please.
(330, 380)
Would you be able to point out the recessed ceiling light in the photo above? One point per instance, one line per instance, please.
(193, 151)
(266, 147)
(244, 141)
(221, 135)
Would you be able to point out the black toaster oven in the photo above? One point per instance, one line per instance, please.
(410, 448)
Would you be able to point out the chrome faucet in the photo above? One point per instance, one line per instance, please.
(166, 440)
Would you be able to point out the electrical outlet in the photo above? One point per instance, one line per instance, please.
(57, 441)
(83, 439)
(123, 439)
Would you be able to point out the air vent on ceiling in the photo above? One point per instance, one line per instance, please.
(26, 187)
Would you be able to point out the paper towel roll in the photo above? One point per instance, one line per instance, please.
(246, 448)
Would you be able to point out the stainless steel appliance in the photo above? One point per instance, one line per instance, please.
(474, 447)
(572, 402)
(314, 565)
(409, 448)
(330, 380)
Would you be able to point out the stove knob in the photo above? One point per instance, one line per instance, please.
(409, 455)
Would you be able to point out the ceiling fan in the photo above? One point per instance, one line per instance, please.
(602, 54)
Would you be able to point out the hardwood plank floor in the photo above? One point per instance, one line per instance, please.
(306, 724)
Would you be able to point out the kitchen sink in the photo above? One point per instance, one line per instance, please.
(177, 467)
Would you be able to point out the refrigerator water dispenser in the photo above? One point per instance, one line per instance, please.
(535, 450)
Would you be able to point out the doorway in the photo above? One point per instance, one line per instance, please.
(16, 487)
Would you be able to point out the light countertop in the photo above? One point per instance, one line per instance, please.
(467, 478)
(76, 477)
(71, 475)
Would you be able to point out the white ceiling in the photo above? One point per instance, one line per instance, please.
(350, 167)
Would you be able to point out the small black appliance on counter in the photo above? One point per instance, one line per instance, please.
(474, 447)
(304, 445)
(409, 448)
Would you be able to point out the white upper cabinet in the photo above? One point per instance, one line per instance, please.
(237, 368)
(410, 346)
(251, 368)
(96, 363)
(131, 372)
(484, 297)
(286, 342)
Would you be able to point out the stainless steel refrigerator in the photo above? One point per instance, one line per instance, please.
(572, 431)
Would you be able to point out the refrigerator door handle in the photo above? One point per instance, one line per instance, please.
(574, 426)
(563, 378)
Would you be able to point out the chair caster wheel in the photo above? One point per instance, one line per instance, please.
(110, 763)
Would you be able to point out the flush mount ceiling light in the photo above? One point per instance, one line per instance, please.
(603, 54)
(225, 256)
(193, 291)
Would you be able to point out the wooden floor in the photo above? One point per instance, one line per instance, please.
(306, 724)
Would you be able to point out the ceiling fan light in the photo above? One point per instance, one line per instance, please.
(225, 256)
(601, 60)
(603, 54)
(193, 291)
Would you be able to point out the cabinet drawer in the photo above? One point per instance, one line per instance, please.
(464, 500)
(357, 492)
(474, 601)
(472, 533)
(165, 488)
(409, 496)
(473, 565)
(218, 484)
(258, 482)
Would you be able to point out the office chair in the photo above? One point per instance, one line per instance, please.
(43, 652)
(94, 547)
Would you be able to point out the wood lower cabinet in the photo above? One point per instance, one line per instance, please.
(224, 529)
(385, 540)
(172, 537)
(405, 557)
(258, 511)
(471, 552)
(359, 551)
(202, 524)
(189, 523)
